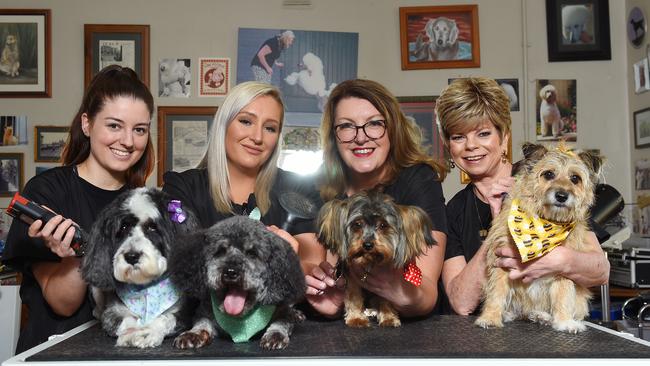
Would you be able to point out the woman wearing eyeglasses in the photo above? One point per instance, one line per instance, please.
(367, 141)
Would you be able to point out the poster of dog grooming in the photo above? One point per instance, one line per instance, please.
(304, 65)
(435, 37)
(214, 75)
(14, 130)
(174, 78)
(556, 110)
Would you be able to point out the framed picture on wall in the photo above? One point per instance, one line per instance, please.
(49, 142)
(641, 76)
(578, 30)
(422, 110)
(182, 137)
(11, 173)
(642, 128)
(439, 37)
(25, 46)
(116, 44)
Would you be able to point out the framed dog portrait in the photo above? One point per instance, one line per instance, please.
(11, 173)
(25, 53)
(49, 143)
(642, 128)
(439, 37)
(116, 44)
(578, 30)
(214, 77)
(182, 137)
(557, 110)
(641, 76)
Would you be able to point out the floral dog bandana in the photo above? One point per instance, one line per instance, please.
(149, 301)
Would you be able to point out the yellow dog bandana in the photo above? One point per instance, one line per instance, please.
(533, 235)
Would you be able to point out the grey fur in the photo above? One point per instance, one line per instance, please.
(267, 268)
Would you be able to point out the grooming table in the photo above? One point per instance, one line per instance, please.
(449, 338)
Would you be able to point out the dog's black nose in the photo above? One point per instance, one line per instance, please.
(230, 275)
(132, 257)
(561, 196)
(368, 245)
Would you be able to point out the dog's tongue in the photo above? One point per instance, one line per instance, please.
(233, 304)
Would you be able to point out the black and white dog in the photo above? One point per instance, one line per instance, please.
(126, 265)
(247, 280)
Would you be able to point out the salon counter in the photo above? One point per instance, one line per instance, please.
(449, 339)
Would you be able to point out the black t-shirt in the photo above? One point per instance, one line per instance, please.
(467, 216)
(63, 191)
(274, 45)
(191, 187)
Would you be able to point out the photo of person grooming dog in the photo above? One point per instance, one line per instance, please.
(369, 144)
(475, 121)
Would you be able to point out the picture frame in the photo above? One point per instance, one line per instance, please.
(11, 173)
(642, 128)
(49, 142)
(641, 76)
(123, 44)
(578, 30)
(27, 70)
(422, 109)
(182, 137)
(214, 76)
(423, 48)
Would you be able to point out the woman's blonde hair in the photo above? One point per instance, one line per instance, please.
(404, 135)
(466, 103)
(215, 159)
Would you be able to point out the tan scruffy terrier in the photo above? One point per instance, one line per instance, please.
(369, 230)
(548, 206)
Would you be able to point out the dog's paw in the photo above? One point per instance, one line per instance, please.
(541, 317)
(569, 326)
(390, 322)
(141, 338)
(509, 316)
(274, 340)
(298, 316)
(489, 322)
(357, 321)
(191, 339)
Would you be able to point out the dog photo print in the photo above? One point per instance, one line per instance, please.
(304, 65)
(14, 130)
(214, 77)
(556, 112)
(174, 77)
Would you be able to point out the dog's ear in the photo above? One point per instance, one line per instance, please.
(331, 225)
(97, 263)
(533, 151)
(594, 163)
(283, 279)
(187, 264)
(416, 233)
(453, 34)
(428, 28)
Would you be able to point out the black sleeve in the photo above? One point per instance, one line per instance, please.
(190, 188)
(455, 219)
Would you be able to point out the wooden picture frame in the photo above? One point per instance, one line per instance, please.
(422, 109)
(26, 68)
(125, 45)
(454, 44)
(174, 124)
(578, 30)
(641, 76)
(49, 142)
(11, 173)
(642, 128)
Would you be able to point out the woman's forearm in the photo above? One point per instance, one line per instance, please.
(62, 285)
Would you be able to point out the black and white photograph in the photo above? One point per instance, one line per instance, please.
(174, 78)
(117, 53)
(11, 173)
(49, 143)
(642, 128)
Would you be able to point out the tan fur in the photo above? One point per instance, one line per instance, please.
(555, 300)
(10, 57)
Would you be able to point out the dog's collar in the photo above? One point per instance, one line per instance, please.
(533, 235)
(243, 328)
(149, 301)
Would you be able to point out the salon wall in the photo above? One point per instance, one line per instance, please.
(512, 39)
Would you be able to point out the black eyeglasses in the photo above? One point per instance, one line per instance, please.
(347, 132)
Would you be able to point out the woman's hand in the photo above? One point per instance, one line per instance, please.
(385, 281)
(325, 293)
(495, 195)
(286, 236)
(57, 234)
(551, 263)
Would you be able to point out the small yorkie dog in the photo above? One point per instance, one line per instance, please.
(548, 206)
(370, 230)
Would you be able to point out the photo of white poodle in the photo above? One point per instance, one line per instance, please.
(174, 78)
(577, 24)
(311, 78)
(557, 110)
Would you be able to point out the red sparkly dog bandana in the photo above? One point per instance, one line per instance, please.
(413, 274)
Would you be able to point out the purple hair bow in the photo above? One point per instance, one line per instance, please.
(174, 207)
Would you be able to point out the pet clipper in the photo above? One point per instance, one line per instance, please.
(28, 211)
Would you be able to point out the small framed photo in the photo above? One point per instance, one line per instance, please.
(642, 128)
(25, 45)
(641, 76)
(13, 130)
(214, 75)
(49, 143)
(174, 78)
(182, 137)
(578, 30)
(116, 44)
(422, 109)
(439, 37)
(11, 173)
